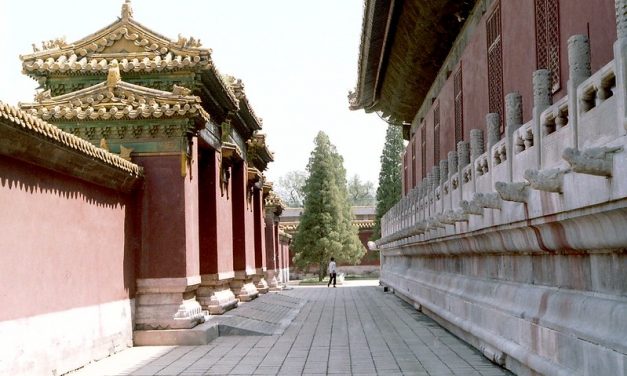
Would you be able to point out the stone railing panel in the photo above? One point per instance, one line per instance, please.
(483, 176)
(499, 157)
(598, 112)
(468, 185)
(555, 117)
(523, 143)
(553, 145)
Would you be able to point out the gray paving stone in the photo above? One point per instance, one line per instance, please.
(346, 331)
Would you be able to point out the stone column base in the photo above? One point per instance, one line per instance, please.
(243, 287)
(167, 303)
(273, 283)
(262, 286)
(260, 282)
(215, 295)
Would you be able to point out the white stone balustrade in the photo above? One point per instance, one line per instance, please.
(594, 124)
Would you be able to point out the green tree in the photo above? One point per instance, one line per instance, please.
(360, 193)
(290, 188)
(389, 190)
(326, 228)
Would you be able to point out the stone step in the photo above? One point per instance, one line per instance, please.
(267, 315)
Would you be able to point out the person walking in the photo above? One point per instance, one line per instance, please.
(332, 272)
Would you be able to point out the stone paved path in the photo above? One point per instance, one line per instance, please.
(351, 330)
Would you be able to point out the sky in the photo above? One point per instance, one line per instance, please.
(297, 59)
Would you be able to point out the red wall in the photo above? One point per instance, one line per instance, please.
(519, 51)
(243, 220)
(64, 241)
(271, 239)
(519, 63)
(259, 227)
(169, 211)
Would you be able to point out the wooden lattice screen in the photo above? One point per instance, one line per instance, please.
(423, 151)
(548, 39)
(436, 133)
(495, 64)
(459, 108)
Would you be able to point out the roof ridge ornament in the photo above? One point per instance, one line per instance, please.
(190, 42)
(127, 10)
(113, 78)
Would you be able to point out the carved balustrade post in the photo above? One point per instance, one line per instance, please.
(435, 176)
(463, 155)
(579, 70)
(620, 61)
(428, 189)
(513, 121)
(476, 144)
(493, 126)
(443, 171)
(452, 164)
(541, 101)
(435, 173)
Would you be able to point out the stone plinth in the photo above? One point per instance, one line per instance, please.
(260, 282)
(273, 282)
(215, 295)
(167, 303)
(243, 287)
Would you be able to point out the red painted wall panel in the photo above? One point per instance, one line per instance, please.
(582, 17)
(238, 200)
(259, 230)
(224, 218)
(519, 57)
(64, 241)
(475, 83)
(447, 118)
(271, 243)
(208, 191)
(163, 218)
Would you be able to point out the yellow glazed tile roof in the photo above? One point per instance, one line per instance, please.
(32, 124)
(115, 99)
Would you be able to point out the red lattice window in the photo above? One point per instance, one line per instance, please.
(548, 39)
(423, 150)
(436, 133)
(414, 172)
(495, 64)
(459, 106)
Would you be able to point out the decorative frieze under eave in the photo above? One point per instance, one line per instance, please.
(364, 225)
(273, 203)
(249, 119)
(254, 175)
(35, 141)
(231, 153)
(258, 153)
(288, 227)
(116, 100)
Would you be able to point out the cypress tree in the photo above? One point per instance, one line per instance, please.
(326, 228)
(389, 190)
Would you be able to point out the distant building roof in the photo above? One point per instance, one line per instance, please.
(363, 218)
